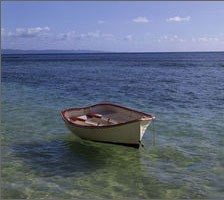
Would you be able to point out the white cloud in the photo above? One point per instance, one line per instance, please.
(65, 36)
(208, 39)
(178, 19)
(101, 22)
(73, 35)
(29, 32)
(95, 35)
(128, 37)
(3, 31)
(140, 20)
(171, 38)
(92, 34)
(107, 35)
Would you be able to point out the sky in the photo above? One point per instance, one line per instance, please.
(117, 26)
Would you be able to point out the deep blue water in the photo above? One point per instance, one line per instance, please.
(42, 159)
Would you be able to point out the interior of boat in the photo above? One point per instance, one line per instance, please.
(102, 115)
(92, 119)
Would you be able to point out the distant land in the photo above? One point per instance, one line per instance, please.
(47, 51)
(57, 51)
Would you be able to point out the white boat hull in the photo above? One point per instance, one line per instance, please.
(129, 134)
(108, 122)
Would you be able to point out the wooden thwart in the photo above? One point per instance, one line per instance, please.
(100, 122)
(74, 118)
(94, 115)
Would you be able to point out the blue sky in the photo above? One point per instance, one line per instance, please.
(128, 26)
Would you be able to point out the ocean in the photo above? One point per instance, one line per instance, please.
(41, 158)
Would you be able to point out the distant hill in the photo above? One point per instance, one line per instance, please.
(48, 51)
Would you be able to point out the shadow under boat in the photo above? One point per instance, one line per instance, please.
(71, 157)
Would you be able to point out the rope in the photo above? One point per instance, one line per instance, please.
(153, 134)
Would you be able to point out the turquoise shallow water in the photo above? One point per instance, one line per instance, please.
(40, 158)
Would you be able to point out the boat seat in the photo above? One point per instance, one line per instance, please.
(103, 118)
(74, 118)
(94, 115)
(80, 120)
(83, 120)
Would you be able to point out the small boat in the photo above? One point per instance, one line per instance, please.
(107, 122)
